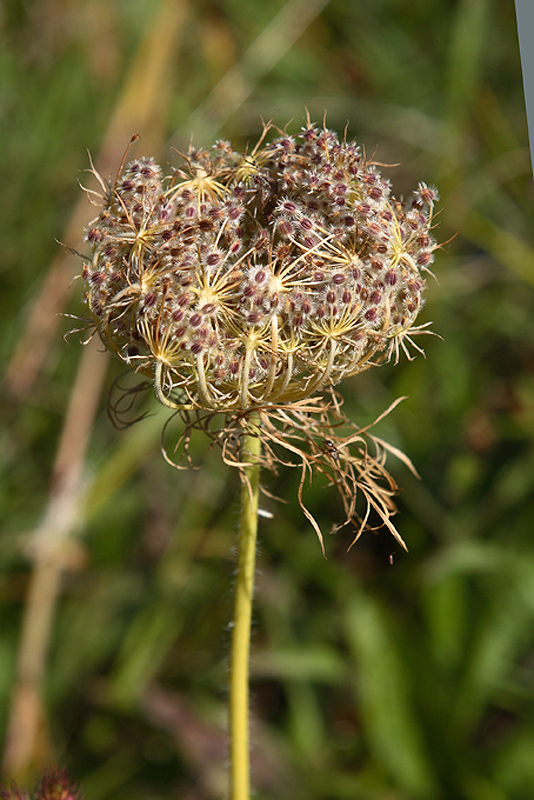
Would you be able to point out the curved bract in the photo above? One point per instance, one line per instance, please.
(249, 279)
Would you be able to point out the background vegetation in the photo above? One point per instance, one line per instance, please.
(370, 681)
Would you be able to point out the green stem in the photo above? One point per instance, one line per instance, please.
(239, 658)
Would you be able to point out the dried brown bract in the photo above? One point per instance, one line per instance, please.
(317, 438)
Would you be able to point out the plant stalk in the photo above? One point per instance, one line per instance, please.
(240, 647)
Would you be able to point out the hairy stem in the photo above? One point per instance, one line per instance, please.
(239, 659)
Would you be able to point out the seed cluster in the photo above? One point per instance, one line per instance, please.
(257, 278)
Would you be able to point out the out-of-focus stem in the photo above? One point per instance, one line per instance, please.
(244, 590)
(26, 715)
(236, 86)
(51, 550)
(141, 106)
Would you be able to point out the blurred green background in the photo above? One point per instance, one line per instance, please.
(370, 680)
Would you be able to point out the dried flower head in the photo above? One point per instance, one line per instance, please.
(55, 785)
(253, 281)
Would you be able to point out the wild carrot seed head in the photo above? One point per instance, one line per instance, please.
(248, 280)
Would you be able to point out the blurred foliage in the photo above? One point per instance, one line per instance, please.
(370, 680)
